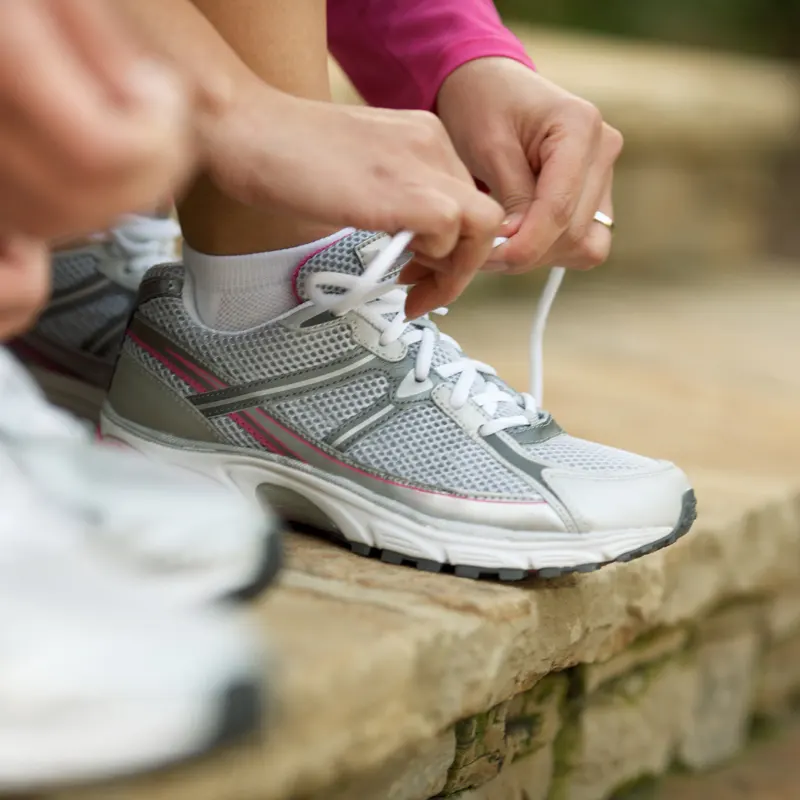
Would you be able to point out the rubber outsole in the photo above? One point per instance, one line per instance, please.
(685, 522)
(271, 564)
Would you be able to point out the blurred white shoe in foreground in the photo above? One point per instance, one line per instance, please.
(185, 536)
(96, 683)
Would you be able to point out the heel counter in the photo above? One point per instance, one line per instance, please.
(165, 280)
(137, 392)
(140, 396)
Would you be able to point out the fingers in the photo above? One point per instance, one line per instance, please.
(512, 179)
(456, 216)
(88, 128)
(586, 243)
(564, 211)
(439, 283)
(109, 54)
(443, 275)
(567, 151)
(24, 283)
(595, 246)
(434, 290)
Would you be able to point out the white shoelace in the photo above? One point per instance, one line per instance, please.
(383, 304)
(142, 242)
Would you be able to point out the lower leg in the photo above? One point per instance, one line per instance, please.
(285, 45)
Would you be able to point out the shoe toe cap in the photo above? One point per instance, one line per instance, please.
(642, 499)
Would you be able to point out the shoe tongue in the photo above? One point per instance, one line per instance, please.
(350, 255)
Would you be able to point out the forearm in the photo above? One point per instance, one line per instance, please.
(399, 54)
(180, 34)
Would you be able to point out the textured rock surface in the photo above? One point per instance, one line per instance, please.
(487, 745)
(649, 648)
(628, 731)
(720, 715)
(528, 779)
(770, 771)
(779, 678)
(380, 661)
(416, 775)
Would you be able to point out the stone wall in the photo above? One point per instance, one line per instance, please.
(681, 698)
(704, 138)
(398, 684)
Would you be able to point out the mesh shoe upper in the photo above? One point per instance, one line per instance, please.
(94, 292)
(327, 382)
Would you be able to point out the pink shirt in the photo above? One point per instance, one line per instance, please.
(398, 52)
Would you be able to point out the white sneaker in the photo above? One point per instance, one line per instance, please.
(96, 683)
(381, 431)
(190, 538)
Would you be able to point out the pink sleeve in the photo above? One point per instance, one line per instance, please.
(399, 52)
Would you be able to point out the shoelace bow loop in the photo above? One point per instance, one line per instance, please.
(384, 304)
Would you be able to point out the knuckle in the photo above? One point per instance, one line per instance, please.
(428, 138)
(613, 140)
(591, 114)
(490, 213)
(516, 199)
(428, 120)
(424, 139)
(426, 130)
(523, 258)
(592, 251)
(447, 215)
(561, 212)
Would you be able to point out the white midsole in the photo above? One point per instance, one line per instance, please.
(373, 522)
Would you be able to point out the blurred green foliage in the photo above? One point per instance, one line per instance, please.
(768, 27)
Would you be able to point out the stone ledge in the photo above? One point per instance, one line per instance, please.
(381, 660)
(384, 666)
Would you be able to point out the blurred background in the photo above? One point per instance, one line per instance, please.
(762, 27)
(693, 327)
(707, 96)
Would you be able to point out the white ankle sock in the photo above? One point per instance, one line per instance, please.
(234, 293)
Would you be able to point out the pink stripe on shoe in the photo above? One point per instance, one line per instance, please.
(263, 437)
(296, 274)
(377, 478)
(162, 359)
(201, 373)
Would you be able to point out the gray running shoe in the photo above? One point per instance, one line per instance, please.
(380, 431)
(72, 349)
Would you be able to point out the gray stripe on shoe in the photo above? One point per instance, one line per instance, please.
(68, 299)
(238, 398)
(360, 424)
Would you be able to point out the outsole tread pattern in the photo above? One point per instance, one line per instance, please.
(687, 518)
